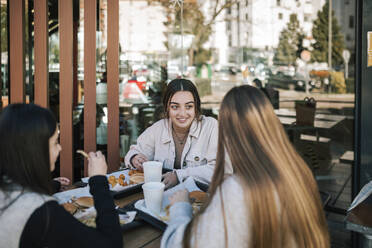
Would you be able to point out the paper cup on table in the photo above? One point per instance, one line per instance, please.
(153, 192)
(152, 171)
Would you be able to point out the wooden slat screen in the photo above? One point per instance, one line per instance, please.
(90, 10)
(41, 52)
(66, 86)
(65, 15)
(16, 50)
(113, 84)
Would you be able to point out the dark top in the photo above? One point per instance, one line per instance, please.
(56, 186)
(52, 226)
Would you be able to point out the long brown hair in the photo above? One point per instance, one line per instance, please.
(273, 175)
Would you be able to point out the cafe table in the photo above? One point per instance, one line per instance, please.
(359, 220)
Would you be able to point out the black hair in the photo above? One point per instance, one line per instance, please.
(25, 130)
(180, 84)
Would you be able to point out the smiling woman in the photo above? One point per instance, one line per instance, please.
(184, 141)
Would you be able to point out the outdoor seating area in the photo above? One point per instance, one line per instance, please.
(176, 123)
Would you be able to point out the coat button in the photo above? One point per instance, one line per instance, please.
(184, 163)
(196, 158)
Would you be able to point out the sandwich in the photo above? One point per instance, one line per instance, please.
(84, 202)
(70, 207)
(198, 196)
(135, 179)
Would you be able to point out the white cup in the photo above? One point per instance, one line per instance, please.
(152, 171)
(153, 192)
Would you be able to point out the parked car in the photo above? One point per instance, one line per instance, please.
(281, 80)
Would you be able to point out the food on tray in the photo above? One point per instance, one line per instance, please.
(112, 181)
(134, 179)
(135, 172)
(83, 153)
(91, 221)
(198, 196)
(122, 182)
(197, 199)
(84, 202)
(70, 207)
(78, 204)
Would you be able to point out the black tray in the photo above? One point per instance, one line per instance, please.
(135, 223)
(119, 194)
(127, 192)
(156, 222)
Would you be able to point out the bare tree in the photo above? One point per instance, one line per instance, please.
(195, 21)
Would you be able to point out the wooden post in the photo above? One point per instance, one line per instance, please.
(113, 84)
(16, 51)
(90, 10)
(65, 16)
(41, 53)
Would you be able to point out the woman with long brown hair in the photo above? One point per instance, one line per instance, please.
(270, 200)
(185, 141)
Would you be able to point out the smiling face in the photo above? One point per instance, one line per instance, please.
(181, 110)
(54, 149)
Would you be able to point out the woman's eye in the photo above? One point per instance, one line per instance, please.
(174, 107)
(189, 106)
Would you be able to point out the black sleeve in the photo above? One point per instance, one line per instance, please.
(52, 226)
(56, 186)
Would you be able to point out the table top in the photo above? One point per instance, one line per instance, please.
(359, 219)
(322, 121)
(347, 157)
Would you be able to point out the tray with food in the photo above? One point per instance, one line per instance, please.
(161, 220)
(80, 204)
(123, 183)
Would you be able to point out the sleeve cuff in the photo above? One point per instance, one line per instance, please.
(98, 183)
(128, 157)
(181, 175)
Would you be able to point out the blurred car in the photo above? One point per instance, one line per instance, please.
(228, 72)
(283, 81)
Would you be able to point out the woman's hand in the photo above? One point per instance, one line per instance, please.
(138, 160)
(96, 164)
(180, 196)
(64, 181)
(170, 179)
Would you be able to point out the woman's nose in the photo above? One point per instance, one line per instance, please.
(182, 111)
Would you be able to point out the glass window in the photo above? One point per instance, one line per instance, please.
(4, 76)
(351, 21)
(287, 59)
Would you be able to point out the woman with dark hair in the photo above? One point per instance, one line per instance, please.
(29, 215)
(270, 200)
(185, 141)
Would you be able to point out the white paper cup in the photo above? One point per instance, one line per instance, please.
(152, 171)
(153, 192)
